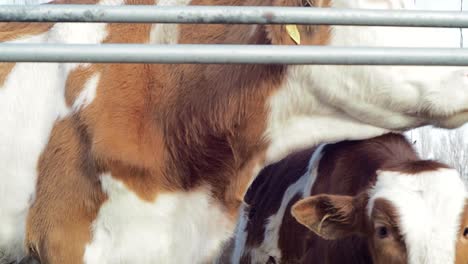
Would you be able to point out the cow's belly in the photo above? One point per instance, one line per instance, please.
(31, 99)
(182, 227)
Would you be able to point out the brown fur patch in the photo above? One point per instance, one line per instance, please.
(15, 30)
(238, 186)
(385, 213)
(5, 69)
(289, 231)
(462, 243)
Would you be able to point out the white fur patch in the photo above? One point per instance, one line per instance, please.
(178, 227)
(88, 94)
(269, 246)
(166, 33)
(429, 205)
(80, 33)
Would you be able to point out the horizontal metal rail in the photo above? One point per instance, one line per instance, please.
(231, 54)
(231, 15)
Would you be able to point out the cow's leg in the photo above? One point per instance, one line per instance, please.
(67, 199)
(62, 243)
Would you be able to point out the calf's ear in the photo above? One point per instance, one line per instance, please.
(331, 216)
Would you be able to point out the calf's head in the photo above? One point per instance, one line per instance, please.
(414, 213)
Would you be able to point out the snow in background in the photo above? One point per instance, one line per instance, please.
(449, 146)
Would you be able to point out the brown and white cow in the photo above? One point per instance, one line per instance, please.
(367, 201)
(148, 163)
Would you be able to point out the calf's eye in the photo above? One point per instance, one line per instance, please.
(465, 233)
(382, 232)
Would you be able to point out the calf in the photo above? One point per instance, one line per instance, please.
(144, 163)
(373, 201)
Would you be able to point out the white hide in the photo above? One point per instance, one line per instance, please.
(166, 33)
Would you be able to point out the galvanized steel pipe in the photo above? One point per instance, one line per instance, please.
(231, 15)
(231, 54)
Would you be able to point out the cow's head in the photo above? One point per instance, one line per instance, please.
(415, 213)
(388, 97)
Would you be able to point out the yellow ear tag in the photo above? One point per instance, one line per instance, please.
(294, 33)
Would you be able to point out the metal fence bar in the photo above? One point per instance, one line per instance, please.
(231, 54)
(231, 15)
